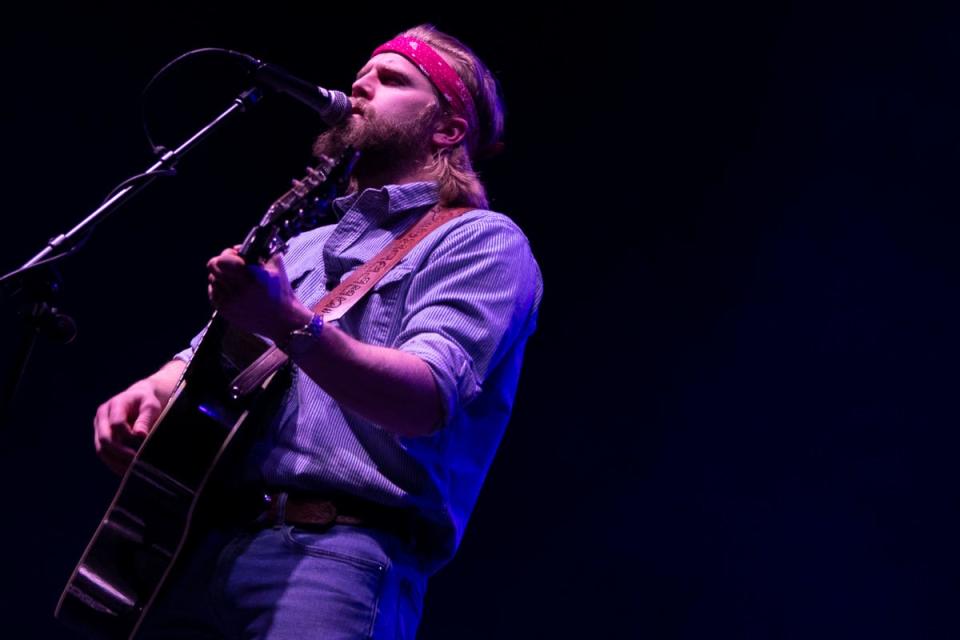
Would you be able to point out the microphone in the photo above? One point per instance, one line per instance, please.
(332, 106)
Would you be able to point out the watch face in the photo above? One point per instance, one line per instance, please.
(315, 325)
(300, 340)
(311, 330)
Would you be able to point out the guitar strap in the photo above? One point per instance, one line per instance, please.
(336, 303)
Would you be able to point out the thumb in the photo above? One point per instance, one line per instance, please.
(147, 416)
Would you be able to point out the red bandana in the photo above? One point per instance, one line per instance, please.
(437, 70)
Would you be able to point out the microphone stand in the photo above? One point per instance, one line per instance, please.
(38, 283)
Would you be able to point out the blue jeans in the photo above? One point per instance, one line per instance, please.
(286, 583)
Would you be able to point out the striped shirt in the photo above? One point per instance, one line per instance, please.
(465, 301)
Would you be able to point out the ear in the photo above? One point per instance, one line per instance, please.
(450, 131)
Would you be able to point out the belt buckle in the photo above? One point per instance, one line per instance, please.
(322, 513)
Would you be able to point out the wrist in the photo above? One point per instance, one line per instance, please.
(295, 318)
(163, 383)
(302, 338)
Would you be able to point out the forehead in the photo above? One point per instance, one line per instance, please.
(397, 63)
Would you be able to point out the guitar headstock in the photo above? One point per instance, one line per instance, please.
(300, 209)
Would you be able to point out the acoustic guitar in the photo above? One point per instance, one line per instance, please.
(148, 523)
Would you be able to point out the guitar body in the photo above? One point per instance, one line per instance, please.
(150, 518)
(149, 521)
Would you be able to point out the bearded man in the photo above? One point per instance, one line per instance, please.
(394, 411)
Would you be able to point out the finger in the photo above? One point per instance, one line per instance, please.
(275, 266)
(232, 254)
(220, 297)
(232, 269)
(229, 255)
(118, 417)
(222, 287)
(101, 428)
(149, 411)
(100, 423)
(121, 417)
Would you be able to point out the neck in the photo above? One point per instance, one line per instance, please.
(392, 175)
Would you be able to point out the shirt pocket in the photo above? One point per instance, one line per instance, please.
(376, 319)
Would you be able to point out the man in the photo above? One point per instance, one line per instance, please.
(394, 412)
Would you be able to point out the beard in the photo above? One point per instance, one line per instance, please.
(387, 147)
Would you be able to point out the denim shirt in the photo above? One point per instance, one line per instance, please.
(464, 300)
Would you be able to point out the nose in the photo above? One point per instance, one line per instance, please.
(362, 88)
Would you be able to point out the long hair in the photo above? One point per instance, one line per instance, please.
(452, 167)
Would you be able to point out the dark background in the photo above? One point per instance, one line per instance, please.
(738, 417)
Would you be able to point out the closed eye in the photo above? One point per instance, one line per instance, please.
(386, 75)
(389, 77)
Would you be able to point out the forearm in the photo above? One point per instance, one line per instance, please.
(122, 422)
(166, 378)
(392, 389)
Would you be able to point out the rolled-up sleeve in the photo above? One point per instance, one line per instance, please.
(468, 303)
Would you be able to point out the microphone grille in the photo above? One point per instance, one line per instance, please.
(337, 108)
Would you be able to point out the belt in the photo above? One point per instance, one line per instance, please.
(308, 510)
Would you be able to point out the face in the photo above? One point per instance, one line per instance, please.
(393, 88)
(394, 110)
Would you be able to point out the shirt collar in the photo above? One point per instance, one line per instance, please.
(390, 200)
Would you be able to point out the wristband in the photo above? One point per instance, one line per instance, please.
(300, 340)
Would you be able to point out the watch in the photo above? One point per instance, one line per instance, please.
(300, 340)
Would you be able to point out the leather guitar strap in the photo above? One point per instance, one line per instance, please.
(336, 303)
